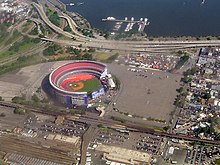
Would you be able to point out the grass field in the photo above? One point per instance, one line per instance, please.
(88, 85)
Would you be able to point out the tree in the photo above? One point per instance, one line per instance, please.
(67, 28)
(19, 111)
(1, 99)
(207, 96)
(180, 90)
(35, 98)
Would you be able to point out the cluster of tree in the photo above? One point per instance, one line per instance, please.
(15, 35)
(209, 130)
(182, 61)
(26, 40)
(19, 111)
(112, 58)
(51, 49)
(125, 34)
(3, 32)
(34, 31)
(77, 111)
(72, 50)
(86, 32)
(67, 28)
(157, 120)
(85, 56)
(187, 75)
(180, 99)
(19, 99)
(190, 72)
(53, 16)
(35, 98)
(118, 119)
(103, 33)
(22, 61)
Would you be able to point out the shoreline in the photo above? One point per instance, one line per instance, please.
(79, 18)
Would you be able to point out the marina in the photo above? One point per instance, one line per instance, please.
(142, 23)
(186, 19)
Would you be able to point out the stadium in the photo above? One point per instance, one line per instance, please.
(77, 82)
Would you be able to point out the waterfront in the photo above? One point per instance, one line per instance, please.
(167, 17)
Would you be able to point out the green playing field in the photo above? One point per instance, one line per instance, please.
(88, 85)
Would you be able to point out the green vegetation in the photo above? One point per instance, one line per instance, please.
(27, 26)
(16, 34)
(157, 120)
(123, 35)
(182, 61)
(67, 28)
(179, 52)
(217, 162)
(1, 99)
(53, 16)
(118, 119)
(3, 32)
(19, 111)
(86, 32)
(104, 33)
(20, 46)
(72, 50)
(19, 63)
(112, 58)
(51, 49)
(18, 99)
(35, 98)
(188, 74)
(90, 85)
(34, 31)
(166, 128)
(91, 50)
(77, 111)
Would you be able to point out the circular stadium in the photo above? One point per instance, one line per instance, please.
(76, 82)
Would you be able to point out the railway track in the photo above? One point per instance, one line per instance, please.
(11, 144)
(108, 122)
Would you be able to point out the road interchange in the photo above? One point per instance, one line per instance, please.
(136, 46)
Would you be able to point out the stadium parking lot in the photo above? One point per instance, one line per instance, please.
(131, 140)
(146, 94)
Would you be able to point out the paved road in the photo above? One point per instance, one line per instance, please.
(87, 137)
(138, 46)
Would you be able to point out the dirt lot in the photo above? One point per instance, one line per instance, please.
(10, 120)
(25, 81)
(147, 94)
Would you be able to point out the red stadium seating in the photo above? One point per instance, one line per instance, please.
(74, 66)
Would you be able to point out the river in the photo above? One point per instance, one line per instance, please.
(167, 17)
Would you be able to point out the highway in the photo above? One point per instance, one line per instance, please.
(136, 46)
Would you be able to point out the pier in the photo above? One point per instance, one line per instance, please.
(130, 23)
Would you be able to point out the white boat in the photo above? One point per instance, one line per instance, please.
(110, 18)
